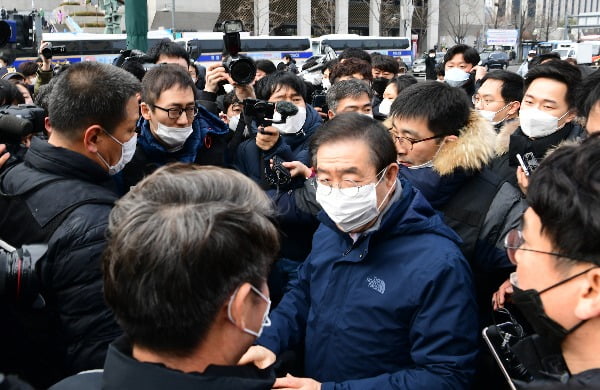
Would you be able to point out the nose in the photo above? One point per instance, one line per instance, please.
(183, 119)
(479, 105)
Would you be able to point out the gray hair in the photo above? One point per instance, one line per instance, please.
(347, 89)
(179, 244)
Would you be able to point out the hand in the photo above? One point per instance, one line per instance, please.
(297, 168)
(501, 296)
(267, 138)
(214, 75)
(261, 357)
(522, 180)
(291, 382)
(322, 114)
(46, 62)
(3, 156)
(480, 72)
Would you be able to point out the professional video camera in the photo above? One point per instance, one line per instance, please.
(50, 50)
(241, 68)
(19, 121)
(19, 282)
(265, 113)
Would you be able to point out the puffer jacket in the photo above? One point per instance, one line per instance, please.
(289, 147)
(392, 310)
(480, 206)
(73, 331)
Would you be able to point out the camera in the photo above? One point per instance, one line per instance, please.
(265, 113)
(50, 50)
(19, 121)
(19, 282)
(241, 68)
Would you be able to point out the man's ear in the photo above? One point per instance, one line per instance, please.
(450, 138)
(588, 303)
(571, 115)
(391, 174)
(241, 305)
(514, 108)
(145, 110)
(91, 138)
(330, 114)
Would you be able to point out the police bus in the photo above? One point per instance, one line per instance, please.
(207, 48)
(392, 46)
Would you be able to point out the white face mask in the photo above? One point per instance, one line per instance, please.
(432, 55)
(127, 152)
(385, 106)
(266, 320)
(536, 123)
(233, 122)
(292, 124)
(349, 209)
(490, 115)
(326, 84)
(173, 137)
(456, 77)
(370, 115)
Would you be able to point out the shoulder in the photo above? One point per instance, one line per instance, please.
(87, 380)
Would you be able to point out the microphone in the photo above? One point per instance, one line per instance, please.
(286, 109)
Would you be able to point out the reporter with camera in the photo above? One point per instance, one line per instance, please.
(45, 72)
(61, 195)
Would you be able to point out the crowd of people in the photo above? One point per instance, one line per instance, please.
(355, 232)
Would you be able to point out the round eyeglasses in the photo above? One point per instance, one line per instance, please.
(408, 143)
(476, 99)
(513, 242)
(347, 187)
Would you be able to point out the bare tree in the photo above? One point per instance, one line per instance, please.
(461, 17)
(323, 16)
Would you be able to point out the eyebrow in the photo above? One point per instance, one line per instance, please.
(343, 171)
(544, 100)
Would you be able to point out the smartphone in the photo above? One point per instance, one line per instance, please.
(495, 343)
(320, 101)
(528, 163)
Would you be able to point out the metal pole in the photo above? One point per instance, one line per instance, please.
(566, 34)
(173, 17)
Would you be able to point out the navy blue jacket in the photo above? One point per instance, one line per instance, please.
(394, 310)
(206, 145)
(290, 147)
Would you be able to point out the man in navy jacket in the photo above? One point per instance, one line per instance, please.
(385, 298)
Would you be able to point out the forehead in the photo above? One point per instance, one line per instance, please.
(545, 88)
(491, 87)
(457, 59)
(176, 95)
(284, 91)
(361, 100)
(417, 128)
(163, 59)
(337, 156)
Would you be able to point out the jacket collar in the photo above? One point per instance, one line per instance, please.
(503, 139)
(122, 371)
(473, 149)
(64, 162)
(156, 152)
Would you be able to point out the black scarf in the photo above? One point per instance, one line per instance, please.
(521, 144)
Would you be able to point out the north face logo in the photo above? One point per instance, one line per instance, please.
(376, 284)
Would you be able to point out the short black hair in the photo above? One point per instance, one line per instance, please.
(28, 68)
(162, 77)
(469, 54)
(9, 94)
(266, 86)
(445, 108)
(167, 48)
(89, 93)
(350, 67)
(404, 81)
(330, 64)
(512, 84)
(560, 71)
(589, 94)
(344, 89)
(353, 126)
(170, 266)
(565, 193)
(537, 60)
(229, 99)
(355, 53)
(385, 64)
(266, 66)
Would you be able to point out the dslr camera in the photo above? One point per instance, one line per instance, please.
(19, 282)
(19, 121)
(241, 69)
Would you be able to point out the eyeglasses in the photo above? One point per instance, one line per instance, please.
(347, 187)
(408, 143)
(175, 113)
(476, 99)
(513, 242)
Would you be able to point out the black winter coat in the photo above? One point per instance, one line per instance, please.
(74, 329)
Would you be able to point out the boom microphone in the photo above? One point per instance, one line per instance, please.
(286, 108)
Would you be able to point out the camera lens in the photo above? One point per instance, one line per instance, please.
(47, 52)
(243, 71)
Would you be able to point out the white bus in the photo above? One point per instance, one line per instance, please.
(207, 48)
(392, 46)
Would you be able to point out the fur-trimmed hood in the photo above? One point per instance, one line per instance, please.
(473, 149)
(503, 138)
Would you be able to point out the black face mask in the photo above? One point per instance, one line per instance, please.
(530, 305)
(378, 85)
